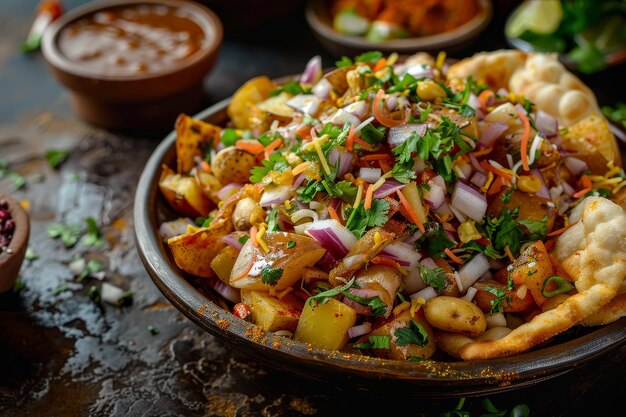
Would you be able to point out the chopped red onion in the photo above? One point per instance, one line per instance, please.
(232, 239)
(444, 211)
(370, 175)
(357, 307)
(469, 201)
(420, 71)
(226, 291)
(458, 214)
(472, 270)
(491, 131)
(313, 71)
(403, 253)
(228, 190)
(399, 134)
(343, 160)
(358, 109)
(168, 230)
(360, 330)
(479, 179)
(435, 197)
(502, 92)
(322, 89)
(439, 181)
(427, 293)
(304, 103)
(389, 187)
(413, 281)
(391, 102)
(473, 101)
(299, 180)
(575, 165)
(546, 124)
(543, 191)
(476, 164)
(413, 238)
(332, 236)
(341, 117)
(428, 263)
(568, 189)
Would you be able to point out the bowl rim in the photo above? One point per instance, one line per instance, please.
(435, 379)
(19, 241)
(203, 16)
(471, 28)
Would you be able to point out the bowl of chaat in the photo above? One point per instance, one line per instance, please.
(455, 226)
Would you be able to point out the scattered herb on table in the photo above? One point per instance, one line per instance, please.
(67, 233)
(56, 157)
(93, 237)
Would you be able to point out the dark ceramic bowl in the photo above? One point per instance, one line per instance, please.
(426, 379)
(140, 100)
(319, 19)
(11, 260)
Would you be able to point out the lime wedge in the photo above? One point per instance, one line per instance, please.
(542, 17)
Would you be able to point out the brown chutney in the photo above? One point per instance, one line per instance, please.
(134, 39)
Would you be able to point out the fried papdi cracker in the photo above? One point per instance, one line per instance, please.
(193, 137)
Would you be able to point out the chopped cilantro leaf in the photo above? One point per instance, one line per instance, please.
(243, 239)
(93, 237)
(291, 244)
(203, 221)
(153, 330)
(342, 189)
(374, 342)
(436, 278)
(435, 240)
(369, 57)
(292, 87)
(276, 162)
(375, 303)
(343, 62)
(322, 297)
(404, 172)
(413, 334)
(306, 194)
(270, 276)
(501, 297)
(272, 221)
(31, 254)
(68, 233)
(55, 157)
(229, 137)
(92, 267)
(360, 219)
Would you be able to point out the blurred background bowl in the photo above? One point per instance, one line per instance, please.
(11, 259)
(140, 100)
(321, 22)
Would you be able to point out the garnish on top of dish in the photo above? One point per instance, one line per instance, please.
(381, 20)
(399, 208)
(585, 31)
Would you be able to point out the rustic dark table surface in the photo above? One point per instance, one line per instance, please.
(63, 355)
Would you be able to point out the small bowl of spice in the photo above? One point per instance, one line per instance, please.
(14, 232)
(133, 64)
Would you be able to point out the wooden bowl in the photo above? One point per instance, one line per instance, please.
(11, 260)
(429, 379)
(139, 100)
(319, 19)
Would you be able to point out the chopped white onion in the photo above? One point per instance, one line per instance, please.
(469, 295)
(546, 123)
(489, 132)
(322, 89)
(226, 291)
(399, 134)
(360, 330)
(111, 294)
(370, 175)
(228, 190)
(412, 281)
(472, 270)
(479, 179)
(312, 71)
(469, 201)
(435, 197)
(403, 253)
(363, 124)
(341, 117)
(358, 108)
(304, 103)
(428, 263)
(419, 71)
(176, 227)
(304, 213)
(275, 194)
(427, 293)
(332, 236)
(495, 320)
(575, 165)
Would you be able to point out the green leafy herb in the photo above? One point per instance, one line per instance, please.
(323, 297)
(68, 233)
(413, 334)
(92, 267)
(153, 330)
(435, 240)
(94, 293)
(343, 62)
(369, 57)
(520, 410)
(360, 219)
(243, 239)
(18, 180)
(270, 276)
(292, 87)
(229, 137)
(342, 189)
(276, 162)
(31, 254)
(403, 172)
(415, 359)
(18, 285)
(458, 410)
(62, 287)
(272, 221)
(506, 197)
(374, 342)
(55, 157)
(435, 277)
(616, 114)
(375, 303)
(203, 221)
(291, 244)
(506, 230)
(93, 237)
(307, 193)
(563, 286)
(497, 303)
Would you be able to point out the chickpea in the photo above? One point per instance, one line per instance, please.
(455, 315)
(429, 91)
(246, 209)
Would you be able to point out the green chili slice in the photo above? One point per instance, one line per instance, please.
(562, 286)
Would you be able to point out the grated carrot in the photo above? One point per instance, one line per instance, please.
(384, 165)
(495, 170)
(246, 271)
(588, 186)
(484, 98)
(350, 139)
(252, 147)
(496, 186)
(205, 166)
(369, 196)
(333, 214)
(384, 260)
(377, 157)
(561, 230)
(379, 114)
(382, 63)
(271, 147)
(525, 137)
(362, 143)
(253, 232)
(412, 214)
(482, 152)
(452, 256)
(300, 168)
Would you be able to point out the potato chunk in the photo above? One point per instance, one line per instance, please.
(325, 325)
(183, 193)
(223, 263)
(271, 313)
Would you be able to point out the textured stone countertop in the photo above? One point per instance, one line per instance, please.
(63, 355)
